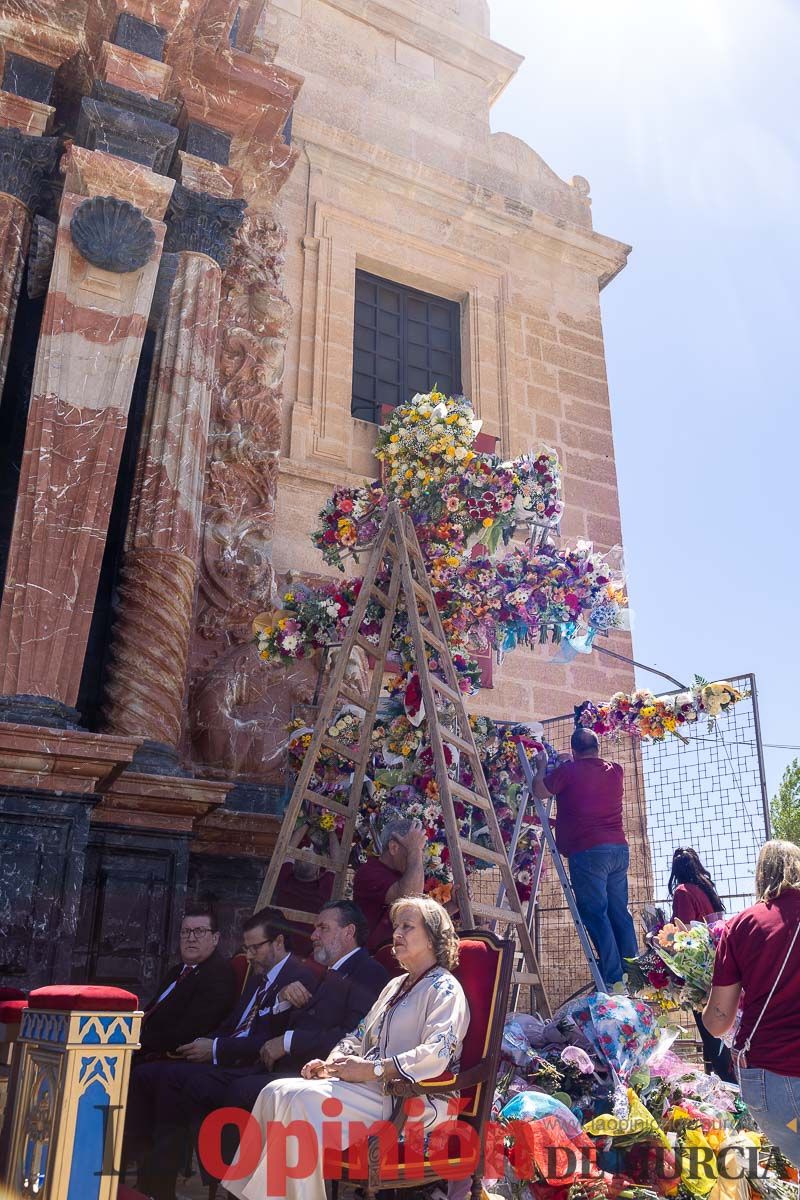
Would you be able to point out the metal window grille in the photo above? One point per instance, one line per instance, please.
(404, 342)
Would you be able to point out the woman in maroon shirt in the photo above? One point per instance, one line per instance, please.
(694, 898)
(758, 958)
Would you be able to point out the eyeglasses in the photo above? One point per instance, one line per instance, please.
(194, 935)
(248, 950)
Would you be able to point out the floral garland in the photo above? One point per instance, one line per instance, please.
(644, 715)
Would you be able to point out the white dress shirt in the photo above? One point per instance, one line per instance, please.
(262, 988)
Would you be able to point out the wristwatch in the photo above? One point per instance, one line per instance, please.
(379, 1070)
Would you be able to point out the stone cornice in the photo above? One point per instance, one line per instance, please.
(450, 41)
(349, 158)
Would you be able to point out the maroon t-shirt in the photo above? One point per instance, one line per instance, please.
(371, 882)
(305, 896)
(589, 811)
(751, 952)
(690, 903)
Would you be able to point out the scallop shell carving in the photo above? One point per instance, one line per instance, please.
(112, 234)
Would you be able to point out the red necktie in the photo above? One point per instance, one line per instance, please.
(185, 970)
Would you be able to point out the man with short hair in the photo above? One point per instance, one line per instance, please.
(156, 1121)
(196, 994)
(590, 835)
(349, 988)
(396, 872)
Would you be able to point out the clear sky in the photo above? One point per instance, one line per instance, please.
(683, 116)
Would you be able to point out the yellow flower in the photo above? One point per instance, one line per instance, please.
(450, 451)
(452, 560)
(327, 821)
(409, 474)
(289, 597)
(487, 521)
(395, 437)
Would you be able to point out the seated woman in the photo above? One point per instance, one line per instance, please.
(414, 1031)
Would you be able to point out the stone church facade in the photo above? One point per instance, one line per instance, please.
(232, 233)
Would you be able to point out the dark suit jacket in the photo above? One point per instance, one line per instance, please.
(342, 998)
(194, 1007)
(242, 1051)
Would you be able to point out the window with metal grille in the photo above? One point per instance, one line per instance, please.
(405, 342)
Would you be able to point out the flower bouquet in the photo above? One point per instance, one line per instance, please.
(688, 951)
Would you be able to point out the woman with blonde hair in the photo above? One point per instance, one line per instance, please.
(413, 1031)
(758, 959)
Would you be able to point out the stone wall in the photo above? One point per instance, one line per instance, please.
(402, 177)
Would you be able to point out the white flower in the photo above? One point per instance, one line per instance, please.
(440, 410)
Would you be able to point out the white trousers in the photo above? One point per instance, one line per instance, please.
(290, 1165)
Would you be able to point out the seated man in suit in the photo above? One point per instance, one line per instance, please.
(196, 994)
(316, 1018)
(156, 1123)
(348, 990)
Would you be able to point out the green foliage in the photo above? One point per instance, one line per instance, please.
(784, 811)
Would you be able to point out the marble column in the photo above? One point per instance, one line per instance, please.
(108, 246)
(25, 161)
(150, 646)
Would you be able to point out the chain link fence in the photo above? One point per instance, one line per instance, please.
(708, 792)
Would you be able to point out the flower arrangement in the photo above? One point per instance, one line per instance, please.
(424, 441)
(349, 522)
(644, 715)
(675, 970)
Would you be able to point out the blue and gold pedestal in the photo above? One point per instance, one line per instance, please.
(69, 1111)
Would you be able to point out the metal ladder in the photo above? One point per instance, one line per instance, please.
(397, 554)
(548, 840)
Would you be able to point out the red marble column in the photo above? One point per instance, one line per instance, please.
(147, 677)
(108, 247)
(156, 592)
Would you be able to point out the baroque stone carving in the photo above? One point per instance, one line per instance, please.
(203, 223)
(236, 574)
(40, 256)
(112, 234)
(25, 162)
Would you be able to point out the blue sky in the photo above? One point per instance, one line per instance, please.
(683, 117)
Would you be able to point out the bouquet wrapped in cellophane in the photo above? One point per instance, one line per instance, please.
(675, 970)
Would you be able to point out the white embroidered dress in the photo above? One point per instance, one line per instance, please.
(422, 1033)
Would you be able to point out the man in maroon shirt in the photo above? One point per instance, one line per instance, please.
(590, 835)
(397, 872)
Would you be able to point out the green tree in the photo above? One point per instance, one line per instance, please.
(784, 811)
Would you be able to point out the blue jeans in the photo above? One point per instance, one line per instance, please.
(599, 879)
(774, 1101)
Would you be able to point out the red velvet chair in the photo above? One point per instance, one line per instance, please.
(384, 956)
(484, 972)
(241, 969)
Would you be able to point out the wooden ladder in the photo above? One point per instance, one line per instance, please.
(398, 547)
